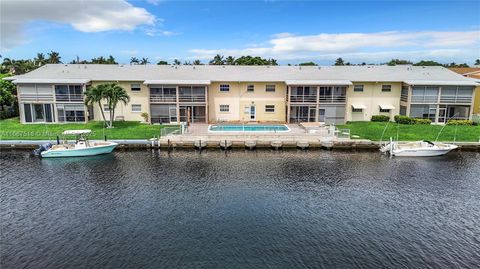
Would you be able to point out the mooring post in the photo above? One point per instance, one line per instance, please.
(58, 140)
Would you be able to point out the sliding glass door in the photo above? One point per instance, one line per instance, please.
(38, 113)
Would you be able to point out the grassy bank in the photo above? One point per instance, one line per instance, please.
(11, 129)
(373, 131)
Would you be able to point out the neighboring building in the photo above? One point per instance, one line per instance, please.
(332, 94)
(474, 73)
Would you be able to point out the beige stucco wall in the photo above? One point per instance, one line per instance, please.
(136, 97)
(238, 98)
(372, 97)
(476, 102)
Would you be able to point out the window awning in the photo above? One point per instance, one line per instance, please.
(358, 106)
(390, 107)
(465, 82)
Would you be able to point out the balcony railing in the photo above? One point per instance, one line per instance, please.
(163, 98)
(424, 99)
(332, 98)
(69, 97)
(303, 98)
(455, 99)
(36, 97)
(192, 98)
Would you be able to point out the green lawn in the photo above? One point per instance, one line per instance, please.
(373, 131)
(11, 129)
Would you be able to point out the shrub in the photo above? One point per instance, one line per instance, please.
(6, 114)
(380, 118)
(422, 121)
(460, 122)
(404, 119)
(144, 115)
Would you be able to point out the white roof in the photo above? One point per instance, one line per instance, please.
(318, 82)
(51, 80)
(177, 82)
(57, 73)
(386, 106)
(76, 132)
(469, 82)
(358, 106)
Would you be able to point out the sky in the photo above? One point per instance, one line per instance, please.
(289, 31)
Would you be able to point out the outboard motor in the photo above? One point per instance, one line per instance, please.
(42, 148)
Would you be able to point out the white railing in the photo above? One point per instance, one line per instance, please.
(192, 98)
(162, 98)
(332, 98)
(36, 97)
(303, 98)
(424, 99)
(69, 97)
(455, 99)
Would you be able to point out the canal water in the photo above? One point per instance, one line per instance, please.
(260, 209)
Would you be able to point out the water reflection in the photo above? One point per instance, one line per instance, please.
(288, 209)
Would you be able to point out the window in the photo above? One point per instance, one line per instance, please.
(270, 108)
(224, 108)
(250, 88)
(384, 110)
(68, 93)
(355, 110)
(71, 113)
(270, 88)
(386, 88)
(136, 108)
(403, 110)
(358, 88)
(224, 87)
(105, 108)
(135, 87)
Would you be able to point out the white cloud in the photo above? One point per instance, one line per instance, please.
(84, 16)
(129, 52)
(378, 46)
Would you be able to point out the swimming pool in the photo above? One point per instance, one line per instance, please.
(265, 128)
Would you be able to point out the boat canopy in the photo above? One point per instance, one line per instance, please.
(76, 132)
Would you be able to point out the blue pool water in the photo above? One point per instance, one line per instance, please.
(249, 128)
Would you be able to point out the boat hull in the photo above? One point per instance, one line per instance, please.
(420, 153)
(91, 151)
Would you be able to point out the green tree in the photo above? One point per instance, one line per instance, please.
(134, 60)
(177, 62)
(111, 60)
(272, 62)
(54, 57)
(339, 61)
(217, 60)
(144, 61)
(394, 62)
(427, 63)
(456, 65)
(7, 93)
(95, 95)
(308, 64)
(477, 62)
(114, 94)
(40, 59)
(197, 62)
(230, 60)
(162, 63)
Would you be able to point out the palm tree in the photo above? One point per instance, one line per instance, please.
(114, 93)
(54, 57)
(40, 59)
(144, 61)
(176, 62)
(197, 62)
(230, 60)
(161, 62)
(134, 60)
(217, 60)
(95, 95)
(272, 62)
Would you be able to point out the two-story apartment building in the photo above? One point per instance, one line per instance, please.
(206, 93)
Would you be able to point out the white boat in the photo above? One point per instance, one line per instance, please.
(417, 149)
(82, 146)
